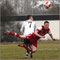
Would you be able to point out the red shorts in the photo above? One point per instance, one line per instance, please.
(32, 39)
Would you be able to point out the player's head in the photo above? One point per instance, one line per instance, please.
(30, 17)
(46, 24)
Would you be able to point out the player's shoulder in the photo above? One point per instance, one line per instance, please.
(24, 22)
(34, 22)
(40, 27)
(49, 29)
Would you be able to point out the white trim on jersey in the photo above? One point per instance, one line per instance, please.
(40, 28)
(50, 32)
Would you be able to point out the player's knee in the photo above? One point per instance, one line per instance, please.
(34, 50)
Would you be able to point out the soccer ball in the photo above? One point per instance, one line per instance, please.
(47, 4)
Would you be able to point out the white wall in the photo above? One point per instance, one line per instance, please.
(54, 26)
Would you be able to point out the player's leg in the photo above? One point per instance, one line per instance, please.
(18, 35)
(15, 34)
(30, 50)
(26, 42)
(33, 49)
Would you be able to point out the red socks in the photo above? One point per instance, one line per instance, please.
(27, 48)
(11, 33)
(16, 34)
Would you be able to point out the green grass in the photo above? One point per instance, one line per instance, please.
(45, 50)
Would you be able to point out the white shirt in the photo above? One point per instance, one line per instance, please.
(28, 27)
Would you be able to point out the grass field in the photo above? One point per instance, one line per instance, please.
(46, 50)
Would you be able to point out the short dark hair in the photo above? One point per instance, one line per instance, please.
(29, 16)
(46, 22)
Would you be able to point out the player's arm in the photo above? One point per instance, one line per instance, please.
(22, 28)
(34, 27)
(36, 33)
(51, 35)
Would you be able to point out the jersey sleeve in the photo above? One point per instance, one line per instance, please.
(22, 27)
(49, 32)
(34, 26)
(39, 28)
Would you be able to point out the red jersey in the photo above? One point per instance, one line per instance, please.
(42, 31)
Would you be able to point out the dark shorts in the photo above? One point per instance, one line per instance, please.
(27, 42)
(32, 39)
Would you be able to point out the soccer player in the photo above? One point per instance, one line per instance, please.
(33, 38)
(28, 27)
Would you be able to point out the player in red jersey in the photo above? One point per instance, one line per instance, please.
(33, 38)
